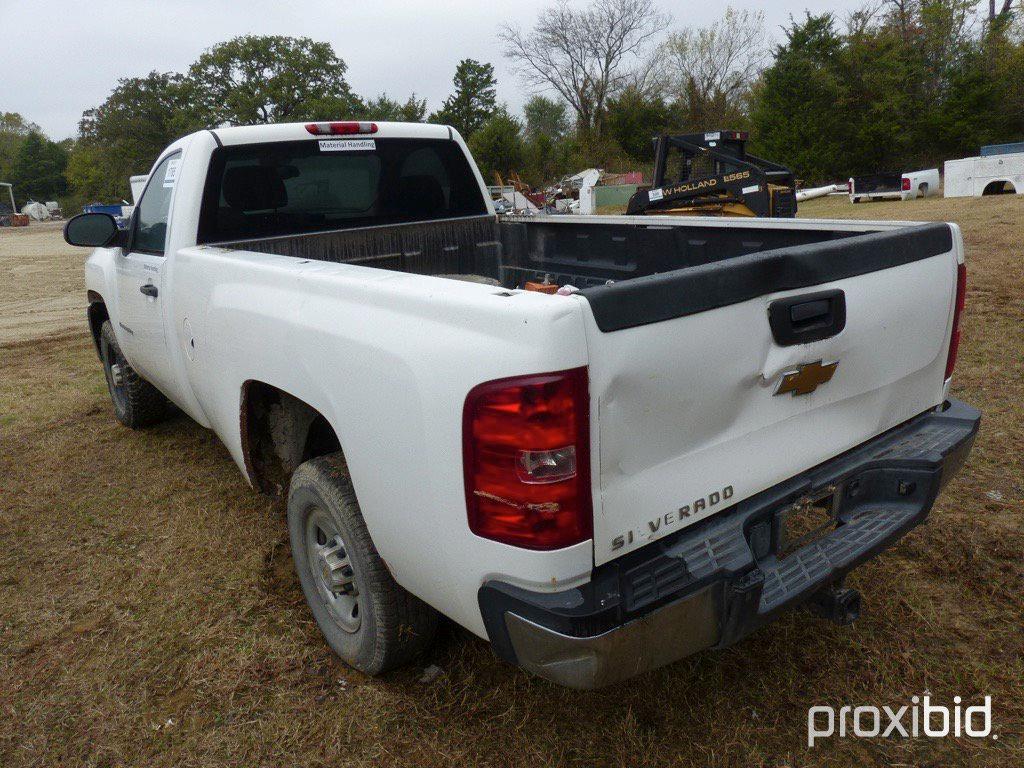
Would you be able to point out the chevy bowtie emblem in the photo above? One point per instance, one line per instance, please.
(806, 378)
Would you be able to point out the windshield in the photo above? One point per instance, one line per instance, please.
(287, 188)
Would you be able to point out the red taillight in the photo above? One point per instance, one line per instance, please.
(958, 308)
(906, 184)
(526, 459)
(340, 129)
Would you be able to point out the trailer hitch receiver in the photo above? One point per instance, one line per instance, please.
(838, 604)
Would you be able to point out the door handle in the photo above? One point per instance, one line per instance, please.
(148, 290)
(807, 318)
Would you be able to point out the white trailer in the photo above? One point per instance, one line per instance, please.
(979, 176)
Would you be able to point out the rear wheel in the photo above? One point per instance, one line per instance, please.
(137, 403)
(371, 622)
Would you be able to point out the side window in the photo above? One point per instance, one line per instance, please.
(151, 217)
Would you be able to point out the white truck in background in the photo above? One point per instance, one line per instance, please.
(717, 421)
(894, 186)
(138, 184)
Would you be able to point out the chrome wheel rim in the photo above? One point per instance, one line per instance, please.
(331, 567)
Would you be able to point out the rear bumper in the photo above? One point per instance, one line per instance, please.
(713, 583)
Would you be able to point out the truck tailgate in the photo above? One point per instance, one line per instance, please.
(687, 389)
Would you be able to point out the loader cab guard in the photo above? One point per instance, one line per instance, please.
(706, 174)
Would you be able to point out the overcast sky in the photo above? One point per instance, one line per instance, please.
(59, 58)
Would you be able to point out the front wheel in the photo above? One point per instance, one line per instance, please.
(137, 403)
(371, 622)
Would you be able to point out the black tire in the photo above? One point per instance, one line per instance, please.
(388, 626)
(137, 403)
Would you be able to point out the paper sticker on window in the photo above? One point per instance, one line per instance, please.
(347, 145)
(655, 194)
(171, 175)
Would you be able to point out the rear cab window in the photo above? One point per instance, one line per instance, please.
(287, 188)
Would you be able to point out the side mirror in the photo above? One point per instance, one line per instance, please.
(93, 230)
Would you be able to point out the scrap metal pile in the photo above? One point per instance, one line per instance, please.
(570, 194)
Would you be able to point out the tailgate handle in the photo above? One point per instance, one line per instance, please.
(808, 317)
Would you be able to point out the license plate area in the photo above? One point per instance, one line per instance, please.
(806, 521)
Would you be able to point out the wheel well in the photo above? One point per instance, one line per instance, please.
(97, 316)
(279, 432)
(999, 187)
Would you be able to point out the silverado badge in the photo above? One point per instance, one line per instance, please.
(807, 378)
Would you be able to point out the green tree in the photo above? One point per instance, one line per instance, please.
(633, 118)
(798, 114)
(713, 69)
(90, 176)
(13, 130)
(999, 64)
(546, 117)
(38, 169)
(548, 143)
(881, 108)
(123, 136)
(473, 101)
(269, 79)
(413, 110)
(498, 145)
(911, 83)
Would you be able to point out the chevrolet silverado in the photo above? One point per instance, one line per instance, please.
(602, 443)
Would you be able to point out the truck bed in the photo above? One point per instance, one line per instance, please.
(631, 271)
(587, 252)
(685, 361)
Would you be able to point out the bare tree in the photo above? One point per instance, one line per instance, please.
(713, 68)
(586, 55)
(992, 9)
(861, 20)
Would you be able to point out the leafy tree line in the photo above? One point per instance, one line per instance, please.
(896, 84)
(905, 85)
(30, 161)
(243, 81)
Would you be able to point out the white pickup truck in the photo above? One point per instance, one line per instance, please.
(723, 420)
(894, 186)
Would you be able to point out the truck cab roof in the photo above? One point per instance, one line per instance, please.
(258, 134)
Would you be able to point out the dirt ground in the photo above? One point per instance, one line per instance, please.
(149, 614)
(42, 282)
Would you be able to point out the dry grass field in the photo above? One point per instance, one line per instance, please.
(149, 614)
